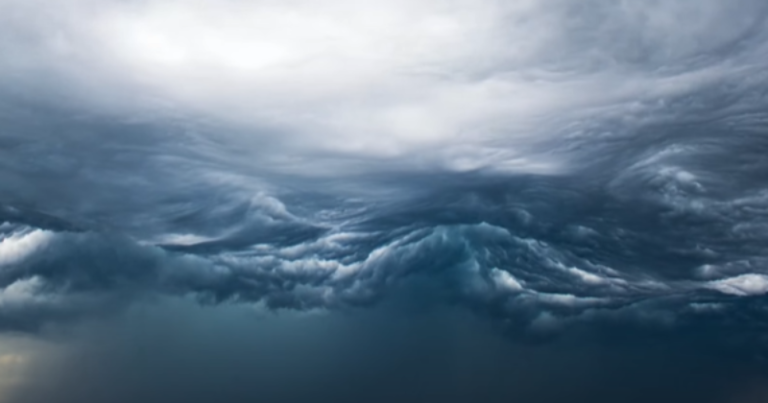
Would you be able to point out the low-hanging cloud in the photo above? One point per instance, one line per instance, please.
(562, 170)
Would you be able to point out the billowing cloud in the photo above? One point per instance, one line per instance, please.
(556, 168)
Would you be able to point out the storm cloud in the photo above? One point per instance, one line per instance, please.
(554, 176)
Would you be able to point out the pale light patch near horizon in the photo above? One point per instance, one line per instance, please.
(11, 368)
(19, 356)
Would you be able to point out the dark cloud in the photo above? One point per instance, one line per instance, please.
(538, 202)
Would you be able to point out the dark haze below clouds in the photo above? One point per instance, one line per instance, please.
(347, 213)
(405, 351)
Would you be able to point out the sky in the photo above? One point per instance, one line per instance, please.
(341, 201)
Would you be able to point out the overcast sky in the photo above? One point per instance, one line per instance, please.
(425, 200)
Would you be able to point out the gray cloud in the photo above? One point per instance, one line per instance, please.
(562, 170)
(483, 83)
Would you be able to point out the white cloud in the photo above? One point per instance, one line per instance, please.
(18, 246)
(505, 281)
(27, 293)
(462, 84)
(743, 285)
(587, 277)
(567, 299)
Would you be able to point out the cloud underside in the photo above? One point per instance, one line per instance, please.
(547, 165)
(540, 254)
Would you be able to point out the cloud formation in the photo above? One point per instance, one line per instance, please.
(459, 85)
(557, 168)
